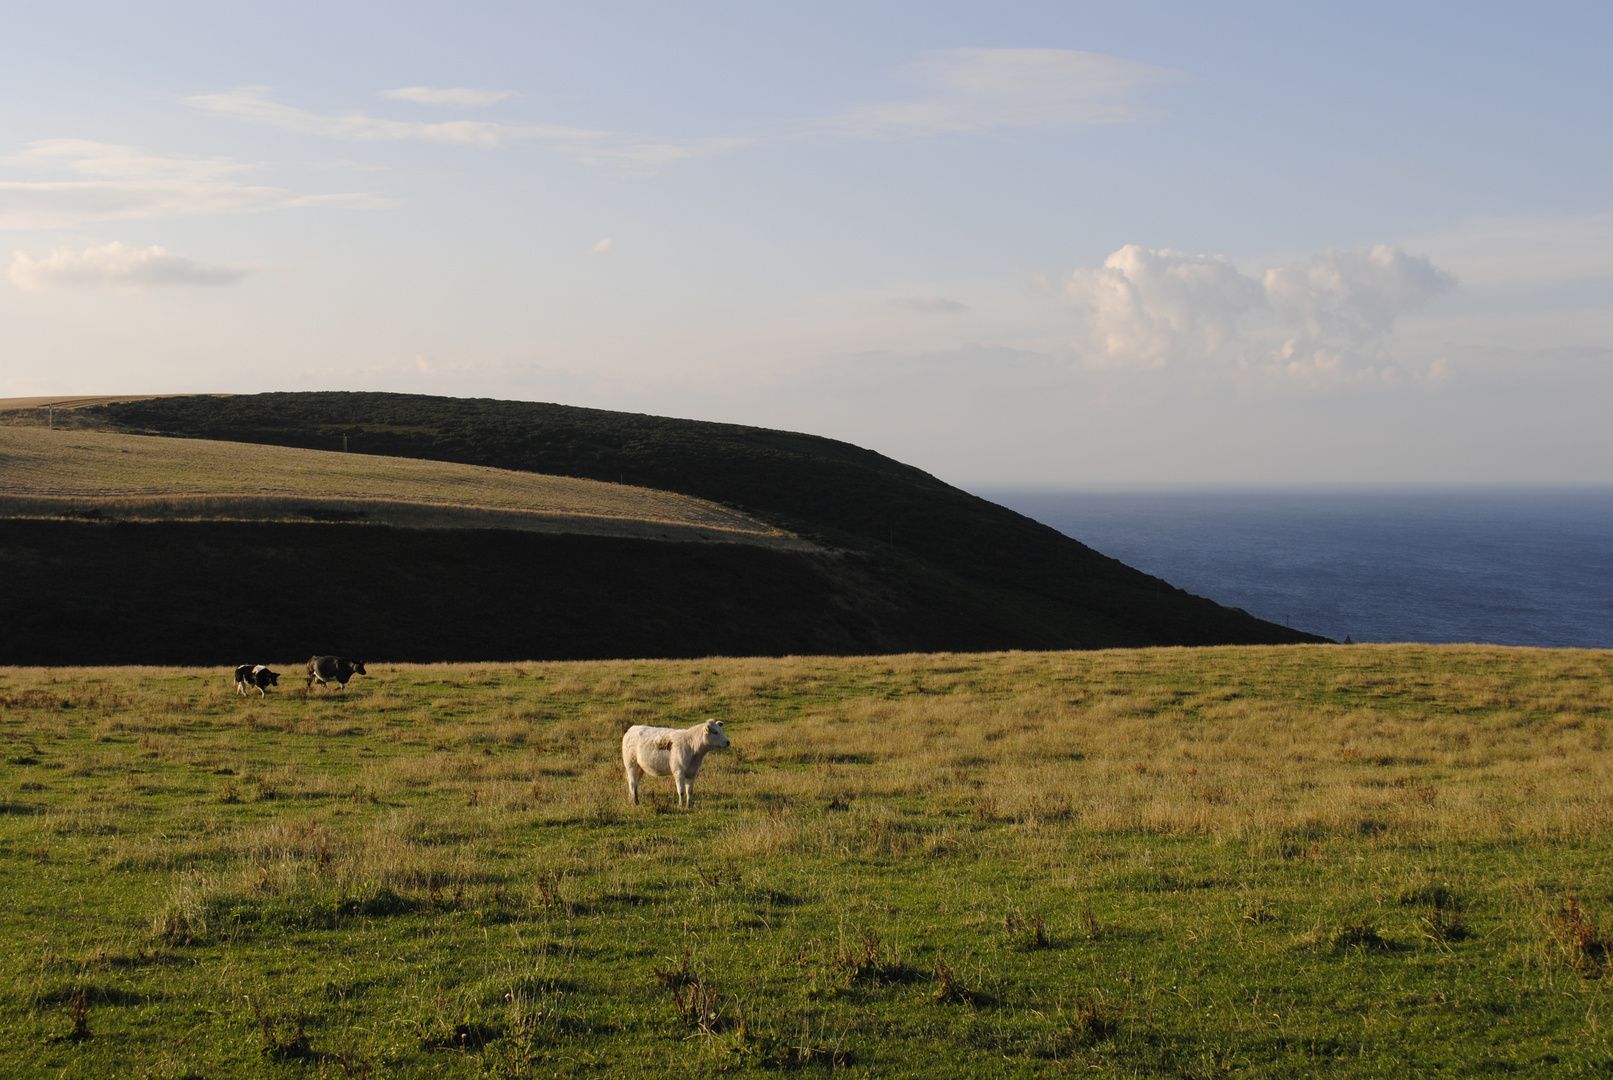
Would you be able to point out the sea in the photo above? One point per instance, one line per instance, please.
(1499, 565)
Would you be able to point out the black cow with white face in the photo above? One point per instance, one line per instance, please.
(333, 669)
(257, 676)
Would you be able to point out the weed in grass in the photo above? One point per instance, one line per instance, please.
(546, 887)
(1360, 933)
(1093, 1021)
(1446, 925)
(694, 998)
(1446, 922)
(1438, 897)
(1257, 911)
(1026, 932)
(869, 962)
(290, 1046)
(1588, 948)
(949, 988)
(80, 1012)
(468, 1033)
(713, 878)
(1095, 930)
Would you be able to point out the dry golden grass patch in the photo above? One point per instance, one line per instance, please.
(113, 476)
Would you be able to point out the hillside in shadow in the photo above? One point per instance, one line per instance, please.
(913, 563)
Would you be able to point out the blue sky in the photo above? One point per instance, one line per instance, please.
(1050, 244)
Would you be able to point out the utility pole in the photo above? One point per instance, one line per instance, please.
(51, 423)
(344, 444)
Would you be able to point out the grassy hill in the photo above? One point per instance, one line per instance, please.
(85, 474)
(919, 564)
(1272, 862)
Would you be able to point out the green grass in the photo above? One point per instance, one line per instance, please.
(1290, 861)
(116, 476)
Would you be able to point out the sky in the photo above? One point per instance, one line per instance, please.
(1031, 244)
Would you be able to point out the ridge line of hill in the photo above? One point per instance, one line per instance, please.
(1045, 589)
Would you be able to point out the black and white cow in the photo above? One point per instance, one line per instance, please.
(257, 676)
(333, 669)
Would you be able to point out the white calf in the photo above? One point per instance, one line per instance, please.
(662, 751)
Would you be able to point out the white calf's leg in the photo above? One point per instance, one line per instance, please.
(634, 773)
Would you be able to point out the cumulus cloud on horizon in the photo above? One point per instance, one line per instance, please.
(464, 96)
(1323, 321)
(116, 266)
(973, 91)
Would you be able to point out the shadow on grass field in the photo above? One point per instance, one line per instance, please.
(1374, 861)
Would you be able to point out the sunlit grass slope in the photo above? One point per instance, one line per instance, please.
(1317, 861)
(78, 473)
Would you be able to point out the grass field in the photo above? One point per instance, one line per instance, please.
(33, 410)
(1284, 861)
(145, 478)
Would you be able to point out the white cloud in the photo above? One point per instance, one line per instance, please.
(1147, 308)
(121, 182)
(930, 305)
(602, 247)
(253, 105)
(118, 266)
(1323, 322)
(979, 90)
(1353, 296)
(465, 96)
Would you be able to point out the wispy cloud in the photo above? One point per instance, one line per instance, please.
(974, 91)
(1324, 321)
(601, 247)
(116, 266)
(464, 96)
(253, 105)
(122, 182)
(930, 305)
